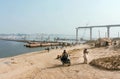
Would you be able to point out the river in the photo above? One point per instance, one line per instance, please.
(12, 48)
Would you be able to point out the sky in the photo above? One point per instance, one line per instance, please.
(56, 16)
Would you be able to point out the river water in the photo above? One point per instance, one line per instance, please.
(12, 48)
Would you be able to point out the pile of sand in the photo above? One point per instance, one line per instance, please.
(109, 63)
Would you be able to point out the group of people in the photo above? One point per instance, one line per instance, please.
(65, 56)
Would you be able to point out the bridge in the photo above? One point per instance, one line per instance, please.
(99, 26)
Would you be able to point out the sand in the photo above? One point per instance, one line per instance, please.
(44, 65)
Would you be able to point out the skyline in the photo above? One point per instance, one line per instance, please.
(56, 17)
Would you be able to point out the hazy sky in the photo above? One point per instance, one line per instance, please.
(56, 16)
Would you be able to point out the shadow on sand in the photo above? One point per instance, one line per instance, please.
(60, 66)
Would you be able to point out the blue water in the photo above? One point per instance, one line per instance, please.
(12, 48)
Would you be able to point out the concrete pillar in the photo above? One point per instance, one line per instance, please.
(118, 34)
(76, 35)
(90, 33)
(108, 31)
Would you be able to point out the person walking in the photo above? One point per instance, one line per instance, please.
(85, 56)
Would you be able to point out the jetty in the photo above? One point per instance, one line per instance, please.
(42, 44)
(34, 43)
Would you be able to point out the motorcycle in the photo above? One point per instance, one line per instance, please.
(66, 61)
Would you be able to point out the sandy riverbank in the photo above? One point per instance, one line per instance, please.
(43, 65)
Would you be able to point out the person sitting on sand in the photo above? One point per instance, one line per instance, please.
(85, 53)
